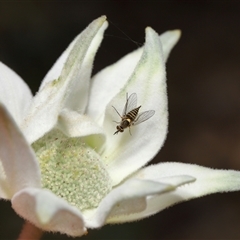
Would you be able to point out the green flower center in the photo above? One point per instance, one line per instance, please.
(72, 170)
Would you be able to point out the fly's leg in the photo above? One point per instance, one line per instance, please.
(130, 130)
(117, 112)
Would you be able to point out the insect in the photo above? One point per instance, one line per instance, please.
(130, 114)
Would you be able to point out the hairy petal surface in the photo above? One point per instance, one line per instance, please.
(169, 39)
(78, 98)
(14, 93)
(19, 167)
(114, 77)
(48, 212)
(208, 181)
(111, 79)
(130, 197)
(126, 153)
(55, 94)
(73, 124)
(129, 190)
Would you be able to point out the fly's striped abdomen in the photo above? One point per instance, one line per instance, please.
(133, 114)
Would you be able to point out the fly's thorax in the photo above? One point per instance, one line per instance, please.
(72, 170)
(125, 123)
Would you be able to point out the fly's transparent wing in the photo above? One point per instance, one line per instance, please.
(131, 103)
(144, 116)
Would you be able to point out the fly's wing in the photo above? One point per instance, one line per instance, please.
(144, 116)
(131, 103)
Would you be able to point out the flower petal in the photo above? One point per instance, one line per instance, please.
(19, 164)
(114, 77)
(74, 124)
(125, 153)
(208, 181)
(48, 212)
(65, 90)
(129, 197)
(169, 39)
(111, 79)
(14, 93)
(84, 68)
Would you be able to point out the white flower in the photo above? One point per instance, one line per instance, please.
(81, 175)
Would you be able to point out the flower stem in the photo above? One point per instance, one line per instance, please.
(29, 231)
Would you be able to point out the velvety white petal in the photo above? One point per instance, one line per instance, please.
(169, 40)
(48, 212)
(132, 189)
(74, 124)
(78, 97)
(126, 153)
(130, 197)
(110, 80)
(114, 77)
(60, 92)
(208, 181)
(55, 71)
(19, 166)
(14, 93)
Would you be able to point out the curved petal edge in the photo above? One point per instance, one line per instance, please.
(48, 212)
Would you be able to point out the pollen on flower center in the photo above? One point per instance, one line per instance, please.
(72, 170)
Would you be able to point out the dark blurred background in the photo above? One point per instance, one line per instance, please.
(203, 88)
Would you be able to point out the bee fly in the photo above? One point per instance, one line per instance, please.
(130, 114)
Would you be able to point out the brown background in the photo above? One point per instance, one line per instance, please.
(203, 87)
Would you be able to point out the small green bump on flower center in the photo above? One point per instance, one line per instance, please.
(72, 170)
